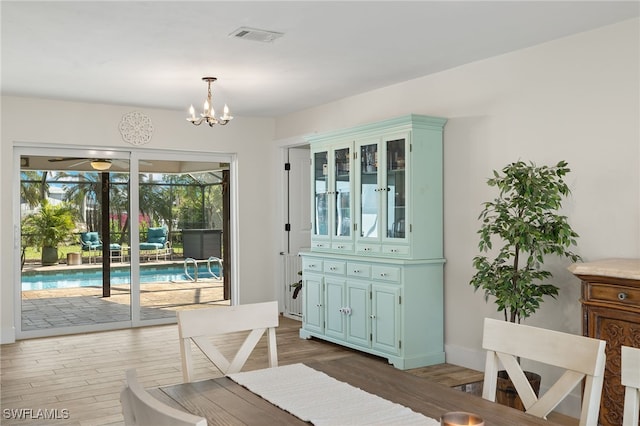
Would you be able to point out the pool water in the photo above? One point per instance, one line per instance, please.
(93, 278)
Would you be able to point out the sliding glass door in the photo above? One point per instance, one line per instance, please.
(73, 222)
(180, 236)
(86, 263)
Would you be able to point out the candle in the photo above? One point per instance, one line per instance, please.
(460, 418)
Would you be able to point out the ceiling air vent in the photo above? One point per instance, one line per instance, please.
(254, 34)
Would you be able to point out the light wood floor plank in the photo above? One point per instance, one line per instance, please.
(85, 373)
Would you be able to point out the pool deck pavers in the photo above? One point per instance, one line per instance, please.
(65, 307)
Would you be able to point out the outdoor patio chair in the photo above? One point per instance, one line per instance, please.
(202, 326)
(92, 244)
(140, 408)
(157, 244)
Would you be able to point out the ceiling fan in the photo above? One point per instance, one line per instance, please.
(100, 164)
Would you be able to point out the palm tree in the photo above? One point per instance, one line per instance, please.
(86, 195)
(33, 187)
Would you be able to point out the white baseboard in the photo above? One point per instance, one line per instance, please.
(465, 357)
(7, 335)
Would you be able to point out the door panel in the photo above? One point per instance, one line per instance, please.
(386, 318)
(335, 302)
(358, 318)
(298, 204)
(313, 303)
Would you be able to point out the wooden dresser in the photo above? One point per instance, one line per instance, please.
(611, 311)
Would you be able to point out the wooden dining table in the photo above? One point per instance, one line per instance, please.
(222, 401)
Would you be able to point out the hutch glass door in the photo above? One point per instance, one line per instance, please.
(369, 192)
(396, 188)
(320, 183)
(342, 193)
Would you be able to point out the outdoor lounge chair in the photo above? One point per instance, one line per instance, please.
(156, 245)
(92, 244)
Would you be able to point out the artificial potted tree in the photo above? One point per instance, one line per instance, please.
(48, 228)
(524, 224)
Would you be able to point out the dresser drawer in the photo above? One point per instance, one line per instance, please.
(320, 245)
(396, 250)
(360, 270)
(364, 248)
(385, 273)
(346, 247)
(312, 265)
(334, 267)
(614, 293)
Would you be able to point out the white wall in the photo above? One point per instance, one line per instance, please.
(95, 125)
(574, 99)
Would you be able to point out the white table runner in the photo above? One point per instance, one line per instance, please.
(315, 397)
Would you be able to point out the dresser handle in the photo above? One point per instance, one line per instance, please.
(622, 296)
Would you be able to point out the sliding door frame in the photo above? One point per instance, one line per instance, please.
(133, 156)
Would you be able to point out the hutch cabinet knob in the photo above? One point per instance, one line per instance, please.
(622, 296)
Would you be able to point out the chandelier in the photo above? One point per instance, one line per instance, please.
(209, 115)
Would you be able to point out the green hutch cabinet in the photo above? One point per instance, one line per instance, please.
(373, 280)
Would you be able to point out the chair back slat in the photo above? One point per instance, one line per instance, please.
(630, 370)
(583, 358)
(568, 351)
(201, 325)
(227, 319)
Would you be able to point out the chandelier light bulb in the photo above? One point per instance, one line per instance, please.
(208, 114)
(225, 115)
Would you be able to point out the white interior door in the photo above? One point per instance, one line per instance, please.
(298, 200)
(298, 216)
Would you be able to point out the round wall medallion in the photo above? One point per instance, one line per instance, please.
(136, 128)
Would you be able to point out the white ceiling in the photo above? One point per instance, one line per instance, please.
(153, 54)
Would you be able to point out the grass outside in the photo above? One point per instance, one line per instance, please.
(33, 255)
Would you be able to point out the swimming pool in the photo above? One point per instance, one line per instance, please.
(93, 278)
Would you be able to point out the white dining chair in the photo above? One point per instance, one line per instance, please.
(201, 325)
(139, 408)
(630, 378)
(581, 358)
